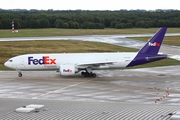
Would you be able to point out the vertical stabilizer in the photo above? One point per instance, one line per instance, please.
(149, 53)
(154, 43)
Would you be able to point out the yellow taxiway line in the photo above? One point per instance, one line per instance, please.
(49, 92)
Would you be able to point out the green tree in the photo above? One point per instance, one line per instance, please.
(71, 24)
(178, 24)
(119, 26)
(107, 22)
(6, 23)
(113, 24)
(76, 25)
(0, 25)
(33, 23)
(128, 25)
(66, 25)
(88, 19)
(59, 23)
(91, 25)
(52, 20)
(138, 24)
(97, 20)
(145, 25)
(44, 23)
(99, 26)
(161, 23)
(84, 25)
(17, 23)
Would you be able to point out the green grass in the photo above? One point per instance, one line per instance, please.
(10, 49)
(72, 32)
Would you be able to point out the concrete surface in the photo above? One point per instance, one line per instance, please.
(148, 93)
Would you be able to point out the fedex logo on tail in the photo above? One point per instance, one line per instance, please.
(45, 60)
(67, 70)
(154, 44)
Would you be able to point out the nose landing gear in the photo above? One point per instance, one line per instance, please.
(19, 73)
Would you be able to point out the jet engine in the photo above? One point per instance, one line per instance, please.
(66, 70)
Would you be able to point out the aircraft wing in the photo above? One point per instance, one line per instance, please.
(95, 64)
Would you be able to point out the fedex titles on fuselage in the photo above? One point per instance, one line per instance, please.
(44, 60)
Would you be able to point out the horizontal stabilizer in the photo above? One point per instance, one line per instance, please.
(155, 58)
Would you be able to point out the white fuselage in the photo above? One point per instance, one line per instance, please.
(79, 60)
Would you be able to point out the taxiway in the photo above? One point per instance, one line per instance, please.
(148, 93)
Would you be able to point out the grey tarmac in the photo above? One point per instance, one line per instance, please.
(148, 93)
(129, 94)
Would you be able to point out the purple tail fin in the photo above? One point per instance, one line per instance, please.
(154, 44)
(149, 53)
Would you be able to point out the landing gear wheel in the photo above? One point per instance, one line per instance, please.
(83, 73)
(93, 75)
(86, 74)
(20, 74)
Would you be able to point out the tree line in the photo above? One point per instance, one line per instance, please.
(79, 19)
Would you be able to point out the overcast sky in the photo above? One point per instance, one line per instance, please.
(90, 4)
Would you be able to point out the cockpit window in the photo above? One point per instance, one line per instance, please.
(10, 60)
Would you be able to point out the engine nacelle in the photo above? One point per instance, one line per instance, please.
(66, 70)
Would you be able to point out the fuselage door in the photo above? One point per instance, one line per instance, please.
(22, 62)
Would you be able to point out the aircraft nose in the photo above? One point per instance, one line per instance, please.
(7, 64)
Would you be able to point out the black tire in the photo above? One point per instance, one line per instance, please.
(20, 74)
(83, 73)
(86, 74)
(93, 75)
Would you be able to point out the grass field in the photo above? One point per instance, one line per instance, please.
(70, 32)
(10, 49)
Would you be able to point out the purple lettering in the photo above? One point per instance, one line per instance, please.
(29, 60)
(41, 61)
(68, 70)
(35, 61)
(44, 60)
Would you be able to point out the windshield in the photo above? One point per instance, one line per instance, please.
(10, 60)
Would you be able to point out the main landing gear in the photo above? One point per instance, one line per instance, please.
(88, 73)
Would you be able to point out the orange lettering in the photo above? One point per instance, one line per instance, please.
(46, 60)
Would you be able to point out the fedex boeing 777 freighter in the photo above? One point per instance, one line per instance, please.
(72, 63)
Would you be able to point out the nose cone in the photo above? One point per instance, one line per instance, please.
(7, 64)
